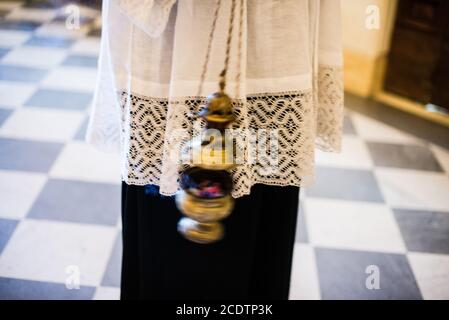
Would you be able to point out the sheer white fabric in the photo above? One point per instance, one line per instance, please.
(152, 54)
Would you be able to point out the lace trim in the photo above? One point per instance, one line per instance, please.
(330, 108)
(150, 140)
(303, 120)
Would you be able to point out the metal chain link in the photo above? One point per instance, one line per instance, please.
(239, 54)
(223, 73)
(209, 46)
(228, 49)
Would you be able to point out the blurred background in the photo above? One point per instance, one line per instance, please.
(374, 226)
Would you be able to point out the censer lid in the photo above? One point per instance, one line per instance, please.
(218, 108)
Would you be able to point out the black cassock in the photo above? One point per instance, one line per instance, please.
(253, 261)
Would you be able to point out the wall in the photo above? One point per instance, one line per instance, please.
(365, 49)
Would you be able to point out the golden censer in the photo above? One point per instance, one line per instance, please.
(205, 196)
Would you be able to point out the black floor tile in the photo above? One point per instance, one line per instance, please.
(424, 231)
(345, 184)
(81, 61)
(4, 114)
(21, 74)
(52, 42)
(18, 25)
(344, 275)
(403, 156)
(60, 99)
(83, 20)
(111, 276)
(3, 52)
(17, 289)
(25, 155)
(76, 201)
(7, 227)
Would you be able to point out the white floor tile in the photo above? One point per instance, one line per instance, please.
(42, 124)
(107, 293)
(354, 154)
(432, 274)
(59, 29)
(71, 78)
(80, 161)
(13, 38)
(119, 224)
(43, 250)
(304, 283)
(409, 189)
(372, 130)
(13, 95)
(38, 57)
(87, 46)
(18, 191)
(352, 225)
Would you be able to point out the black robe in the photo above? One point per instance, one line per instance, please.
(253, 261)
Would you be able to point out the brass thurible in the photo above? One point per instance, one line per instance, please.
(205, 196)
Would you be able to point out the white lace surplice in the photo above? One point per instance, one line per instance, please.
(152, 54)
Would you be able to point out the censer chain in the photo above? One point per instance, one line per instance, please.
(223, 73)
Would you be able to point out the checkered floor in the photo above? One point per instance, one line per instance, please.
(378, 211)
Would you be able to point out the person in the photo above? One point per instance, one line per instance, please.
(285, 83)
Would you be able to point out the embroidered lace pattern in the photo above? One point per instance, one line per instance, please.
(150, 126)
(329, 108)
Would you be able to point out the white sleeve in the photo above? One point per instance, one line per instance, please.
(104, 128)
(149, 15)
(330, 77)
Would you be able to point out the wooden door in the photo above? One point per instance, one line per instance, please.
(418, 63)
